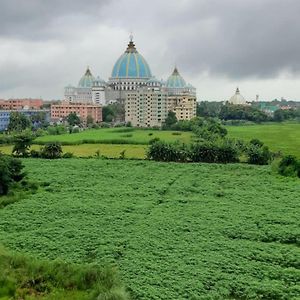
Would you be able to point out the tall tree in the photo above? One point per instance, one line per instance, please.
(22, 145)
(73, 119)
(171, 119)
(18, 122)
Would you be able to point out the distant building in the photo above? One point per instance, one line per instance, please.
(268, 108)
(5, 116)
(237, 99)
(146, 106)
(82, 110)
(131, 83)
(181, 97)
(17, 104)
(149, 106)
(89, 90)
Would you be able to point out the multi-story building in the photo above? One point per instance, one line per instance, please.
(149, 106)
(17, 104)
(82, 110)
(5, 116)
(181, 97)
(146, 106)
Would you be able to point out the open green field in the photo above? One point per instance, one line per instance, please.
(85, 150)
(176, 231)
(123, 135)
(283, 137)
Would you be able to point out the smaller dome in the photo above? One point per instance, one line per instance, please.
(86, 80)
(237, 98)
(175, 80)
(99, 82)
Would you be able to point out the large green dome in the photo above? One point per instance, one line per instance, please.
(86, 80)
(176, 80)
(131, 64)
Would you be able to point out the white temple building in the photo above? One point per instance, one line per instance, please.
(237, 98)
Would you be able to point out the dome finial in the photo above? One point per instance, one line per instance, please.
(131, 45)
(88, 71)
(131, 36)
(175, 72)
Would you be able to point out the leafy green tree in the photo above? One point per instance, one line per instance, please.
(113, 112)
(208, 109)
(22, 145)
(89, 121)
(18, 122)
(242, 112)
(39, 119)
(208, 128)
(52, 151)
(10, 172)
(259, 155)
(170, 120)
(108, 113)
(73, 119)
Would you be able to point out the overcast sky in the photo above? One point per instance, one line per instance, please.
(216, 44)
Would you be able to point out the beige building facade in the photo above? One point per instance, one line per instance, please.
(149, 106)
(146, 107)
(183, 105)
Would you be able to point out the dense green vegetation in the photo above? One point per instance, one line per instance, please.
(24, 277)
(115, 136)
(176, 231)
(283, 137)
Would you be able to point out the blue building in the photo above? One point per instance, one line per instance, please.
(5, 115)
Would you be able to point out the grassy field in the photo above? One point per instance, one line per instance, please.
(85, 150)
(283, 137)
(117, 136)
(176, 231)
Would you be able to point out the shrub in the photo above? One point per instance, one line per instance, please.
(122, 154)
(162, 151)
(35, 153)
(68, 155)
(51, 151)
(289, 166)
(256, 142)
(259, 155)
(214, 153)
(75, 129)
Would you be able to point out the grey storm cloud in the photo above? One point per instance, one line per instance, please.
(233, 39)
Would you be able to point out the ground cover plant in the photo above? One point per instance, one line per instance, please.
(115, 136)
(283, 137)
(176, 231)
(24, 277)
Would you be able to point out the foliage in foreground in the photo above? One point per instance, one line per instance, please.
(176, 231)
(11, 173)
(23, 277)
